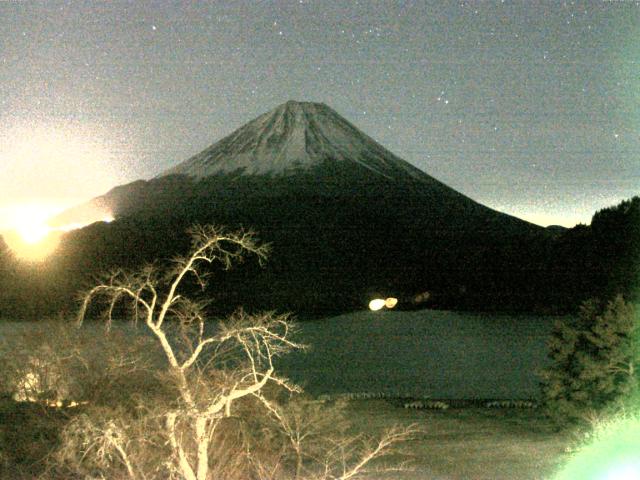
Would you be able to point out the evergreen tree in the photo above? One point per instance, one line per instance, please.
(616, 234)
(595, 359)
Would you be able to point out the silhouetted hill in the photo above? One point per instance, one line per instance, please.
(347, 220)
(345, 216)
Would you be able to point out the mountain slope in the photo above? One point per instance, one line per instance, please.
(294, 137)
(298, 148)
(347, 219)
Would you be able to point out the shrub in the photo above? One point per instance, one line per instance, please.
(50, 372)
(595, 359)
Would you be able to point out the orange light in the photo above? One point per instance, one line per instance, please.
(28, 234)
(390, 302)
(31, 248)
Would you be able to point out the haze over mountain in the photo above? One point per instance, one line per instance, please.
(346, 217)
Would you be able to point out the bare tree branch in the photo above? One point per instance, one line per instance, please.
(215, 372)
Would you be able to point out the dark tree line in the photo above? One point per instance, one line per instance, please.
(330, 255)
(601, 260)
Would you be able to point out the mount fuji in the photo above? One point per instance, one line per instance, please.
(295, 146)
(295, 136)
(346, 217)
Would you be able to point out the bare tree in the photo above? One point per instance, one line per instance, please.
(203, 399)
(324, 449)
(214, 370)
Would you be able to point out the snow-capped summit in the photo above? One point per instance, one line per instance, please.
(292, 137)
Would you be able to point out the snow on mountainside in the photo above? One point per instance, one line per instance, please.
(294, 136)
(328, 157)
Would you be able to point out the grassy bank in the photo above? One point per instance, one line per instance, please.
(469, 443)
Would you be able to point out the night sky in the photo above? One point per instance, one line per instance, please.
(532, 108)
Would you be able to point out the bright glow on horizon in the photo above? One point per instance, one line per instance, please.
(546, 220)
(28, 234)
(47, 166)
(32, 232)
(543, 218)
(559, 211)
(30, 251)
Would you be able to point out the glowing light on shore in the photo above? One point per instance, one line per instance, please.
(390, 302)
(376, 304)
(380, 303)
